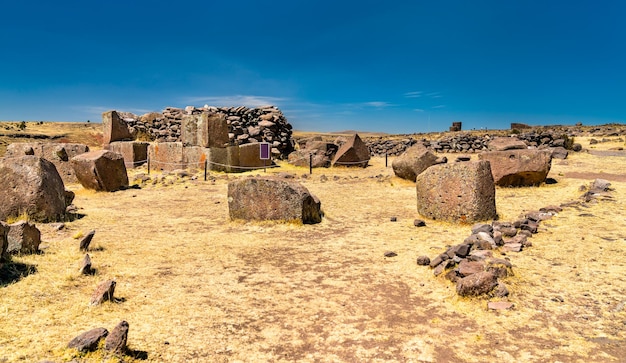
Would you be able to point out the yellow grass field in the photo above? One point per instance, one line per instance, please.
(197, 287)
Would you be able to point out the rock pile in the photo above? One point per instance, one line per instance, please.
(470, 143)
(471, 265)
(246, 125)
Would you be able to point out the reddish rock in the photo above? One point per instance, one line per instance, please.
(476, 284)
(518, 167)
(467, 268)
(84, 243)
(353, 152)
(114, 128)
(250, 156)
(413, 162)
(101, 170)
(116, 341)
(459, 192)
(89, 340)
(423, 261)
(499, 305)
(104, 292)
(31, 185)
(85, 266)
(506, 143)
(23, 237)
(272, 199)
(225, 159)
(135, 153)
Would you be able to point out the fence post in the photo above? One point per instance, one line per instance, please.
(148, 165)
(205, 166)
(385, 159)
(310, 163)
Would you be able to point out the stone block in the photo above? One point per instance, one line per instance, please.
(101, 170)
(225, 159)
(114, 128)
(166, 156)
(213, 130)
(135, 153)
(23, 237)
(250, 156)
(458, 192)
(519, 167)
(272, 199)
(58, 154)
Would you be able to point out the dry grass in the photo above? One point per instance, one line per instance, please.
(196, 287)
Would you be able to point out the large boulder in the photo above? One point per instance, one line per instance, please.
(414, 161)
(459, 192)
(31, 185)
(114, 128)
(272, 199)
(354, 152)
(101, 170)
(59, 154)
(23, 237)
(519, 167)
(135, 153)
(506, 143)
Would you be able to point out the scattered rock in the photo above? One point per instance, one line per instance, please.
(116, 341)
(423, 260)
(23, 237)
(413, 162)
(101, 170)
(500, 305)
(419, 223)
(393, 219)
(104, 292)
(84, 243)
(390, 254)
(476, 284)
(518, 167)
(89, 340)
(85, 266)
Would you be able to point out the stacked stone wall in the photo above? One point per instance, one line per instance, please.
(245, 125)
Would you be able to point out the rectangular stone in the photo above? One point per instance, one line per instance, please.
(114, 128)
(135, 153)
(166, 156)
(225, 159)
(249, 156)
(212, 130)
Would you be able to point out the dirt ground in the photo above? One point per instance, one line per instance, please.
(197, 287)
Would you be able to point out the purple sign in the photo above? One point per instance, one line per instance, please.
(264, 151)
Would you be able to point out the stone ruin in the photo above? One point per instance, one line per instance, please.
(226, 138)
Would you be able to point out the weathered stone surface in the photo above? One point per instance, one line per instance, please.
(114, 128)
(116, 341)
(353, 152)
(319, 159)
(135, 153)
(476, 284)
(559, 152)
(4, 229)
(58, 154)
(419, 223)
(423, 260)
(166, 156)
(250, 156)
(519, 167)
(89, 340)
(104, 292)
(85, 266)
(84, 243)
(23, 237)
(101, 170)
(31, 185)
(207, 129)
(459, 192)
(506, 143)
(225, 159)
(467, 268)
(272, 199)
(413, 162)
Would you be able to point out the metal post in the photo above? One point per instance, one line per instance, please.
(385, 159)
(310, 163)
(264, 165)
(205, 167)
(148, 165)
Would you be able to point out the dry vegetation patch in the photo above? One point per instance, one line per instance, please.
(196, 287)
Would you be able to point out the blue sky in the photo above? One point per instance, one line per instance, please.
(394, 66)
